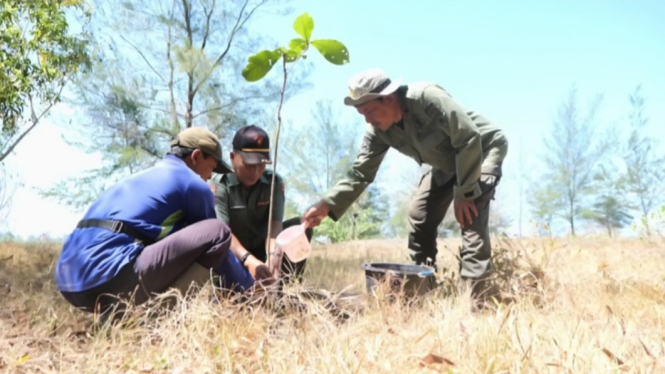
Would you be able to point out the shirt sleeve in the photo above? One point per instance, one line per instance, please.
(362, 174)
(465, 139)
(221, 192)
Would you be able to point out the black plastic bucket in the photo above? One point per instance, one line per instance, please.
(410, 279)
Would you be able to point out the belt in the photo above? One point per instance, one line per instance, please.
(116, 227)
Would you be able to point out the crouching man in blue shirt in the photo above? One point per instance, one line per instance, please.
(153, 231)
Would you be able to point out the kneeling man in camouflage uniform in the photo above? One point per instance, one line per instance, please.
(464, 150)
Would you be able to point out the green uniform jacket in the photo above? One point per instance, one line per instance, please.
(244, 210)
(437, 132)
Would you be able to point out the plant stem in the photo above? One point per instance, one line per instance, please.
(274, 168)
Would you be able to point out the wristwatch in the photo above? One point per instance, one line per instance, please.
(245, 257)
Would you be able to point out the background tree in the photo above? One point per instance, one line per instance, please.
(574, 147)
(39, 56)
(400, 196)
(363, 220)
(164, 66)
(321, 153)
(610, 208)
(545, 201)
(643, 162)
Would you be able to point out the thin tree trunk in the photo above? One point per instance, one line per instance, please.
(174, 112)
(190, 74)
(572, 219)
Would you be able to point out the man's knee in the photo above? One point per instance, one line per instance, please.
(214, 225)
(416, 214)
(219, 242)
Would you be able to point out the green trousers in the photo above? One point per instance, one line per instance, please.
(426, 212)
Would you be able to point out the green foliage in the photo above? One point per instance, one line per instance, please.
(358, 223)
(332, 50)
(163, 66)
(643, 162)
(304, 25)
(37, 57)
(574, 150)
(610, 212)
(259, 64)
(364, 220)
(545, 201)
(611, 206)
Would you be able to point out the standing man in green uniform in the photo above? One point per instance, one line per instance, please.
(464, 150)
(242, 199)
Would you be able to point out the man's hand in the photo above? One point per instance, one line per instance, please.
(259, 270)
(314, 215)
(276, 261)
(463, 211)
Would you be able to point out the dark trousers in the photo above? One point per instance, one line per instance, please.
(289, 269)
(158, 265)
(426, 212)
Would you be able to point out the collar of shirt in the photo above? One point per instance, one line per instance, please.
(233, 179)
(175, 160)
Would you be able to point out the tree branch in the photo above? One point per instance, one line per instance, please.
(208, 15)
(174, 113)
(232, 103)
(35, 120)
(190, 75)
(143, 57)
(240, 22)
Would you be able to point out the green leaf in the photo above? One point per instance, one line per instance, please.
(298, 45)
(291, 55)
(296, 48)
(304, 25)
(260, 64)
(332, 50)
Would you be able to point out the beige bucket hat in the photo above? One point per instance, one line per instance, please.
(370, 85)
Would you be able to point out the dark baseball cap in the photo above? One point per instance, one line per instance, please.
(253, 145)
(205, 140)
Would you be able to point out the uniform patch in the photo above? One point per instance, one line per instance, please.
(262, 203)
(259, 140)
(213, 188)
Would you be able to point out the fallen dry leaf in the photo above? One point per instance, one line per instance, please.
(435, 359)
(613, 357)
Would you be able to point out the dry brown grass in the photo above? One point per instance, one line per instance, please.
(579, 306)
